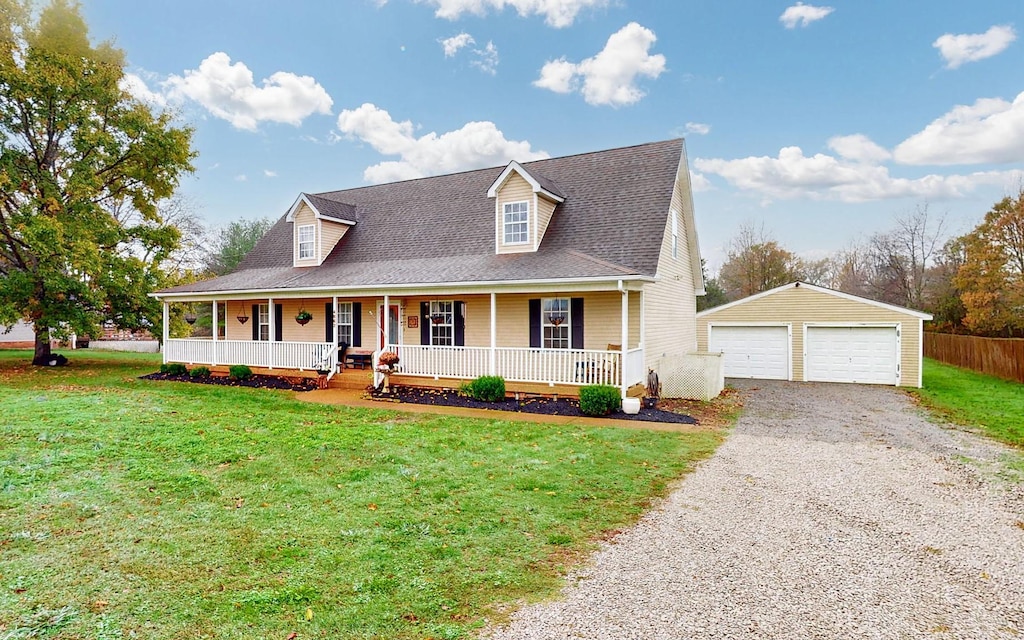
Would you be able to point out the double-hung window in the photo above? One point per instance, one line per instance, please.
(307, 239)
(555, 323)
(345, 323)
(517, 222)
(442, 323)
(264, 321)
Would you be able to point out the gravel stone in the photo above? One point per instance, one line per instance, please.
(832, 511)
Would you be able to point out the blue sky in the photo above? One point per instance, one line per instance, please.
(823, 121)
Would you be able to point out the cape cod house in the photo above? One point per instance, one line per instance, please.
(552, 274)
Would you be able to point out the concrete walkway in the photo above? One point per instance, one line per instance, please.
(352, 398)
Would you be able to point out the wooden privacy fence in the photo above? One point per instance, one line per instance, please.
(1002, 357)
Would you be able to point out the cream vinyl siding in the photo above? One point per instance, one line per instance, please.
(545, 209)
(515, 189)
(801, 306)
(303, 216)
(670, 303)
(330, 234)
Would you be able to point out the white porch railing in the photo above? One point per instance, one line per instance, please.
(548, 366)
(279, 355)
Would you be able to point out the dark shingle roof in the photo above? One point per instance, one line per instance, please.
(332, 208)
(441, 229)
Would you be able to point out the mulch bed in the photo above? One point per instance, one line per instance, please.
(255, 382)
(546, 406)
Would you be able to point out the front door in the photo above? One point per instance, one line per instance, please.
(394, 326)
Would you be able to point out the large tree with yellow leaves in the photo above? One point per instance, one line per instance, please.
(76, 149)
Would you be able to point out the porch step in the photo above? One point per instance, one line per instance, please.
(351, 380)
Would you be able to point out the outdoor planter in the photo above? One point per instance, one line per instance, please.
(303, 317)
(631, 406)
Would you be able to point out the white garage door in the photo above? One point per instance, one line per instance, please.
(752, 352)
(866, 355)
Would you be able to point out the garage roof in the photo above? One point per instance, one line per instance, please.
(813, 287)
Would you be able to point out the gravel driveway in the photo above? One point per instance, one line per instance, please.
(832, 511)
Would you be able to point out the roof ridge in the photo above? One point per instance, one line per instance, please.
(496, 167)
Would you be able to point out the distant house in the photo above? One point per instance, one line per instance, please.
(21, 335)
(553, 274)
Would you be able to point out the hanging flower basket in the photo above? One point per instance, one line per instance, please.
(437, 318)
(303, 317)
(556, 318)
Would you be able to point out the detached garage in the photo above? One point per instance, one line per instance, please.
(800, 331)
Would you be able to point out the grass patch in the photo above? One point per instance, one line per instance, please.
(168, 510)
(991, 405)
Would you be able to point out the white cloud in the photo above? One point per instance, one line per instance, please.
(270, 174)
(699, 182)
(475, 145)
(227, 91)
(138, 89)
(241, 178)
(822, 177)
(802, 15)
(557, 13)
(858, 148)
(698, 128)
(956, 49)
(989, 131)
(486, 59)
(608, 78)
(452, 45)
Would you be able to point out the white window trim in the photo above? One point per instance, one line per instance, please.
(675, 234)
(349, 324)
(311, 242)
(439, 306)
(544, 324)
(505, 223)
(263, 313)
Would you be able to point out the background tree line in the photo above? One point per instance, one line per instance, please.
(972, 283)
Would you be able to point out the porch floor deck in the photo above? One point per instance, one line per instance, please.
(353, 398)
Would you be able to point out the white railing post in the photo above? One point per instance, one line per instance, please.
(624, 338)
(216, 330)
(334, 318)
(271, 332)
(167, 329)
(492, 364)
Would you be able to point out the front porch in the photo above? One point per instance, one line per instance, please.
(440, 341)
(526, 369)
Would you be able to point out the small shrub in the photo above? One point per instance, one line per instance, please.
(466, 389)
(488, 388)
(199, 372)
(599, 400)
(173, 369)
(239, 372)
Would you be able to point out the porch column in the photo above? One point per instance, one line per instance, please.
(494, 335)
(643, 324)
(385, 320)
(625, 341)
(167, 329)
(216, 330)
(271, 333)
(334, 315)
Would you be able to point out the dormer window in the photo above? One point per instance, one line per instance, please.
(517, 225)
(307, 241)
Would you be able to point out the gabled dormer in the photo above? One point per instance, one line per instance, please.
(523, 205)
(318, 224)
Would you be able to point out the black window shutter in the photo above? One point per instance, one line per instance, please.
(535, 341)
(576, 316)
(460, 323)
(255, 322)
(357, 324)
(425, 323)
(278, 323)
(329, 321)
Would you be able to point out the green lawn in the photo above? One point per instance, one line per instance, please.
(131, 508)
(991, 405)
